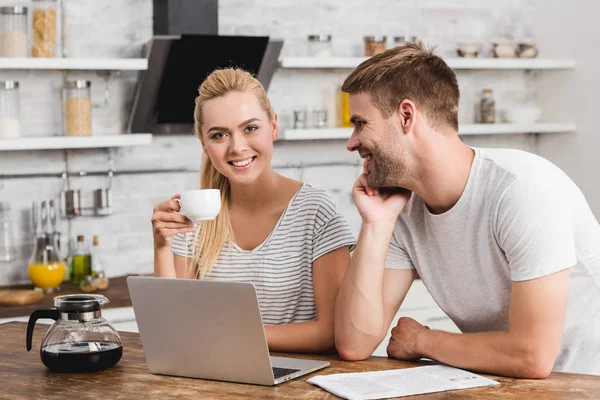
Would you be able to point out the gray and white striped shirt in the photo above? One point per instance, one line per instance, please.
(281, 267)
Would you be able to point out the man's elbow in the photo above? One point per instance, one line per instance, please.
(349, 352)
(536, 365)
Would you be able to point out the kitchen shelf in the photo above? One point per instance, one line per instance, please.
(99, 64)
(75, 142)
(464, 130)
(454, 63)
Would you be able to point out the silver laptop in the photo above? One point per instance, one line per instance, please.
(209, 330)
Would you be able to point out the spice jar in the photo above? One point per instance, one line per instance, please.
(488, 107)
(374, 45)
(13, 40)
(44, 28)
(319, 45)
(10, 123)
(78, 108)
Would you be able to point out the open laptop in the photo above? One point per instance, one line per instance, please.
(209, 330)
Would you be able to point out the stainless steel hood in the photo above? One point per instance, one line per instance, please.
(185, 49)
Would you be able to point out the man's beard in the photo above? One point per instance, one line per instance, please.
(380, 174)
(389, 167)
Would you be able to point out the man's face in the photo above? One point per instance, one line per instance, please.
(380, 142)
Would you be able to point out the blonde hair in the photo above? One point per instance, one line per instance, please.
(411, 72)
(212, 236)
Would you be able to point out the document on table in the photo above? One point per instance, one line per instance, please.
(399, 382)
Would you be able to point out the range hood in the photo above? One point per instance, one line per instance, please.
(181, 55)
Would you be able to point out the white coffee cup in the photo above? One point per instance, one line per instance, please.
(200, 205)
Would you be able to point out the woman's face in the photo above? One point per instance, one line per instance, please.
(238, 136)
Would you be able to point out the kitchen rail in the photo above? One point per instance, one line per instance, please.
(117, 173)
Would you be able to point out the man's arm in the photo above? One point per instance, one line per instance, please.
(527, 349)
(369, 296)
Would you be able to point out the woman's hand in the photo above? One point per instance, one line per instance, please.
(166, 222)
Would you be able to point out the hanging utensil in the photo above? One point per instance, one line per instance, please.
(34, 217)
(55, 232)
(44, 217)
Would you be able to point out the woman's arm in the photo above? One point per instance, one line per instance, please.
(165, 224)
(314, 336)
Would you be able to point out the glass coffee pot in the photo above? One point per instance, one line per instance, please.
(80, 340)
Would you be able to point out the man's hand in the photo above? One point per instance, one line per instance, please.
(378, 205)
(403, 343)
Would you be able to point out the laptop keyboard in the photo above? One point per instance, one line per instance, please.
(279, 372)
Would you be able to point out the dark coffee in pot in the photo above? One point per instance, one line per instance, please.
(81, 356)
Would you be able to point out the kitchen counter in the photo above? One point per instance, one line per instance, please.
(116, 292)
(25, 377)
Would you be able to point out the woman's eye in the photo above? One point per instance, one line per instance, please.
(218, 135)
(251, 128)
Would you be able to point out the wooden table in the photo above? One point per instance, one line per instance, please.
(117, 293)
(23, 376)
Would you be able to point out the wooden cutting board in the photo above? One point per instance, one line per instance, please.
(19, 297)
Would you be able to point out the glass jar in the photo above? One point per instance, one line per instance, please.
(319, 46)
(320, 118)
(44, 28)
(300, 119)
(13, 39)
(488, 107)
(78, 108)
(10, 122)
(374, 45)
(8, 251)
(402, 40)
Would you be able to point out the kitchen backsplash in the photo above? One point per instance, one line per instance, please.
(121, 27)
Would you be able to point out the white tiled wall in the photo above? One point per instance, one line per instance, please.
(118, 28)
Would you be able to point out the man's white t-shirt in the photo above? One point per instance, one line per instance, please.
(519, 218)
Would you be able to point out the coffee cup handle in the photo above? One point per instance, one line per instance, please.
(180, 206)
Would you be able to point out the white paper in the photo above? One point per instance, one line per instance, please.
(399, 382)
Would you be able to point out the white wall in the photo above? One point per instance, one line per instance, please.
(120, 29)
(572, 29)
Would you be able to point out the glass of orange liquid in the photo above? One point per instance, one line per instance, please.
(47, 277)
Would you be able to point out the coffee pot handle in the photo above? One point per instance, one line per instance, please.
(51, 313)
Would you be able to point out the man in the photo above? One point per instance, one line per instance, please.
(503, 240)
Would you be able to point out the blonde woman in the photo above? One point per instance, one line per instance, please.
(285, 237)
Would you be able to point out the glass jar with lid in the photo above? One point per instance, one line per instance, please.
(374, 45)
(13, 39)
(319, 46)
(44, 28)
(10, 122)
(78, 108)
(488, 107)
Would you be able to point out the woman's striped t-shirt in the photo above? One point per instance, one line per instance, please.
(281, 267)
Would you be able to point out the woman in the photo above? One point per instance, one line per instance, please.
(285, 237)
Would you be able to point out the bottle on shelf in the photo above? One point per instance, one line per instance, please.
(345, 112)
(81, 262)
(97, 279)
